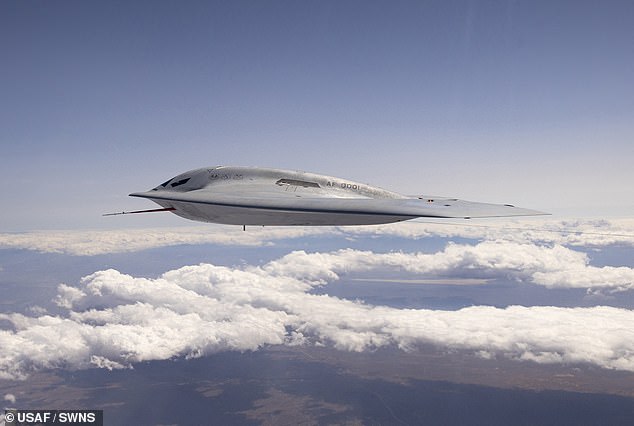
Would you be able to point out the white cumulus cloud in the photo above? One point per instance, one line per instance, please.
(551, 266)
(114, 320)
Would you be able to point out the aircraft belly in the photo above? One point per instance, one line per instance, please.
(240, 215)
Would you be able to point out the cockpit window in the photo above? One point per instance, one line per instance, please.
(164, 184)
(180, 182)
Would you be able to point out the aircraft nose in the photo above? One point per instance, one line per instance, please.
(147, 194)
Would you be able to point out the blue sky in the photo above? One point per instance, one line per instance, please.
(523, 102)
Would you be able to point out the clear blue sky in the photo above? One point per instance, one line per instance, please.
(529, 102)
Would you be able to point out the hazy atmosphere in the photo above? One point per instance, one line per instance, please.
(159, 320)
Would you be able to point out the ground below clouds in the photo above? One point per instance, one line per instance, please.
(282, 385)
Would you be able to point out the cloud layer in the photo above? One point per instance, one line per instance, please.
(90, 243)
(114, 320)
(97, 242)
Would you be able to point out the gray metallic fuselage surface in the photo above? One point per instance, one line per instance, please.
(264, 196)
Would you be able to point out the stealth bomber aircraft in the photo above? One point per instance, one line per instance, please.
(264, 196)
